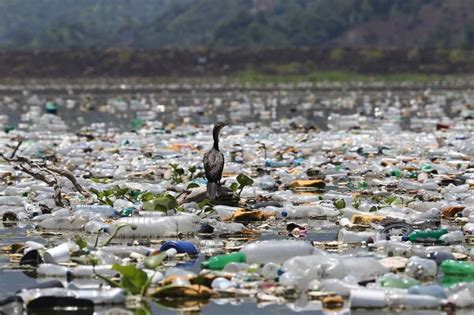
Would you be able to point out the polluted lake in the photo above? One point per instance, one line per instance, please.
(334, 199)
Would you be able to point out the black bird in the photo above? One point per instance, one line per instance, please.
(214, 164)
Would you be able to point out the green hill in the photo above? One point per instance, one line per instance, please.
(60, 24)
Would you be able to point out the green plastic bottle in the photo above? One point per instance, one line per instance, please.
(431, 235)
(450, 280)
(453, 267)
(127, 212)
(456, 272)
(426, 167)
(363, 185)
(400, 283)
(396, 173)
(220, 261)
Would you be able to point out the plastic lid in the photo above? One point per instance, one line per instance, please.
(180, 246)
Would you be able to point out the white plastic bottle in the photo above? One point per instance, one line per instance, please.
(154, 227)
(350, 237)
(275, 251)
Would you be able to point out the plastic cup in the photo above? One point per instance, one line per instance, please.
(57, 254)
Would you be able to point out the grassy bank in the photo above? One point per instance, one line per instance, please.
(251, 76)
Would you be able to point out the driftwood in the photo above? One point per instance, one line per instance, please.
(46, 172)
(226, 196)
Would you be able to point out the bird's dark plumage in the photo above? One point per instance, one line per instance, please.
(214, 164)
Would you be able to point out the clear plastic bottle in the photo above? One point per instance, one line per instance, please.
(74, 222)
(275, 251)
(350, 237)
(106, 211)
(454, 237)
(153, 227)
(420, 268)
(301, 270)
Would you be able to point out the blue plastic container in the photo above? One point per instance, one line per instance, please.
(181, 247)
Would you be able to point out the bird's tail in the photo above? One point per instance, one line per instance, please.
(212, 190)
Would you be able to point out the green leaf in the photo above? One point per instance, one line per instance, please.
(144, 310)
(149, 205)
(234, 186)
(167, 202)
(133, 279)
(244, 180)
(192, 185)
(154, 261)
(204, 203)
(172, 203)
(80, 241)
(339, 204)
(192, 169)
(147, 196)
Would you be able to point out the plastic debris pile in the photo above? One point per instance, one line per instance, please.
(366, 215)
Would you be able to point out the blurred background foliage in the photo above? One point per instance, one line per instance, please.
(63, 24)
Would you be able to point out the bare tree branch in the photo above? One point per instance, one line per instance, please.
(12, 155)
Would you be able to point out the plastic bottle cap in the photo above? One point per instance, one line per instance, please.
(171, 252)
(180, 247)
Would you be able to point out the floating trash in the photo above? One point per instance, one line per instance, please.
(375, 213)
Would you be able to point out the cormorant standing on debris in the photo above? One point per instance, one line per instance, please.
(214, 164)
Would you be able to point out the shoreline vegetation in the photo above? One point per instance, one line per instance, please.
(247, 77)
(239, 65)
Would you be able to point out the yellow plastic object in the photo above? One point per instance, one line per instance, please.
(366, 219)
(242, 215)
(317, 183)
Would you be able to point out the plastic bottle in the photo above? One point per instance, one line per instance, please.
(306, 211)
(86, 271)
(220, 261)
(235, 267)
(395, 281)
(359, 271)
(74, 222)
(275, 251)
(270, 271)
(52, 270)
(463, 298)
(426, 235)
(439, 256)
(454, 237)
(452, 267)
(380, 299)
(350, 237)
(125, 251)
(95, 226)
(341, 287)
(220, 283)
(420, 268)
(432, 290)
(154, 227)
(106, 296)
(301, 270)
(107, 211)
